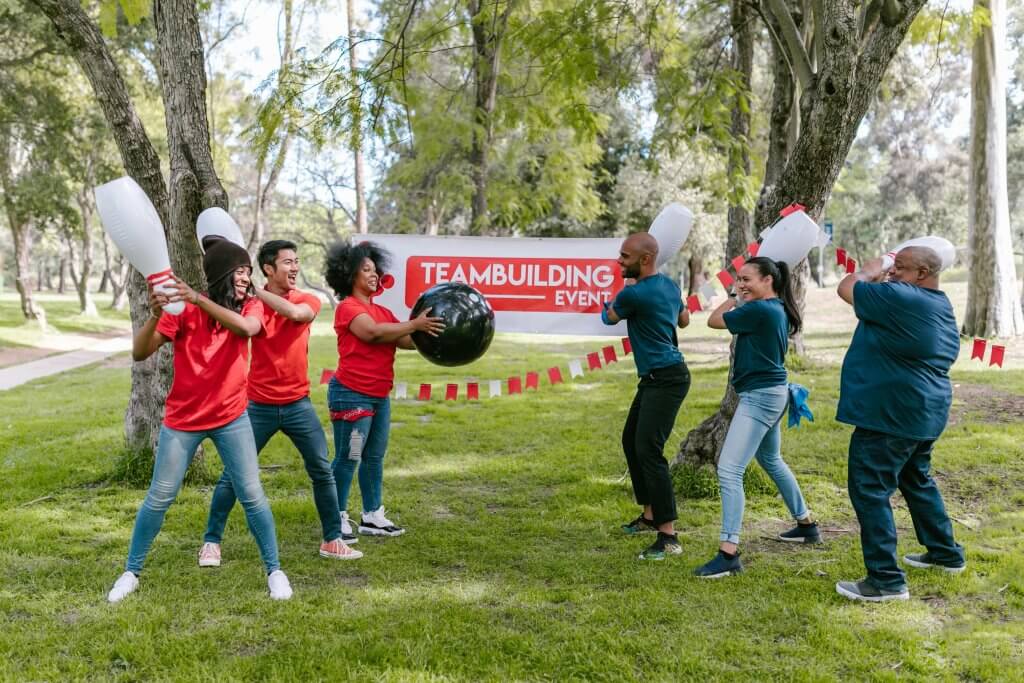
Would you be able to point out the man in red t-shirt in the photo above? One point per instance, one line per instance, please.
(279, 400)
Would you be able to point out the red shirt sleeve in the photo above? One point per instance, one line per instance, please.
(169, 325)
(346, 311)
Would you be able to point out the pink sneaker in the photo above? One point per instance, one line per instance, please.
(209, 555)
(337, 550)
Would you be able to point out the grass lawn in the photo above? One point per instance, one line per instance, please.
(513, 567)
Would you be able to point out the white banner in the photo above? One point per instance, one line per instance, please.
(534, 285)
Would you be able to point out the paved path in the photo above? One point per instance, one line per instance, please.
(16, 375)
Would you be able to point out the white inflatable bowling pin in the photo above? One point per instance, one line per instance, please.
(134, 225)
(670, 229)
(792, 238)
(216, 222)
(940, 245)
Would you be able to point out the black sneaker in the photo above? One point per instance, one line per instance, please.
(640, 525)
(862, 590)
(925, 561)
(662, 547)
(721, 565)
(802, 533)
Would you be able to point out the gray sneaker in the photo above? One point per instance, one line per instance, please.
(862, 590)
(925, 561)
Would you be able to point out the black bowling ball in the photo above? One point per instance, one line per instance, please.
(468, 319)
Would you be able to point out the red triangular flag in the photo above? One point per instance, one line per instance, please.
(472, 391)
(515, 385)
(851, 266)
(555, 375)
(997, 355)
(792, 208)
(627, 348)
(451, 392)
(840, 257)
(724, 277)
(593, 361)
(693, 303)
(737, 263)
(326, 376)
(531, 380)
(424, 394)
(609, 355)
(753, 248)
(978, 350)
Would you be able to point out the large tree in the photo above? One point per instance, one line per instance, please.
(836, 53)
(193, 184)
(993, 300)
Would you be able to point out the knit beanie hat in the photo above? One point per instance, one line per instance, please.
(221, 259)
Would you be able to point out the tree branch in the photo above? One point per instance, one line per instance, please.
(795, 51)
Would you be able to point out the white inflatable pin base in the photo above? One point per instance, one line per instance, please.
(940, 245)
(134, 226)
(216, 222)
(670, 229)
(792, 238)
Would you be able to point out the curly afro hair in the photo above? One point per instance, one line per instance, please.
(344, 260)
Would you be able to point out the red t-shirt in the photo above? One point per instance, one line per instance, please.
(279, 372)
(366, 368)
(209, 369)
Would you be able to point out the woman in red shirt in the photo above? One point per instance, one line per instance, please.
(357, 395)
(207, 399)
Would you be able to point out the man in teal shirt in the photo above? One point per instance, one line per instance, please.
(895, 390)
(652, 308)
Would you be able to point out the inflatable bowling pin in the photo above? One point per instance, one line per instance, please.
(940, 245)
(132, 222)
(670, 228)
(216, 222)
(792, 238)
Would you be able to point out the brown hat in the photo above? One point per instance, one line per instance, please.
(221, 259)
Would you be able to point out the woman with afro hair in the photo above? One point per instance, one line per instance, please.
(357, 395)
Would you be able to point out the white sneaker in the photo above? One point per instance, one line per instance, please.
(125, 584)
(209, 555)
(280, 589)
(376, 524)
(347, 535)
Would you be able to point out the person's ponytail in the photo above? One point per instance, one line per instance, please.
(784, 290)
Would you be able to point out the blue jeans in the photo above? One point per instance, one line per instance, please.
(175, 448)
(755, 432)
(299, 422)
(361, 426)
(879, 464)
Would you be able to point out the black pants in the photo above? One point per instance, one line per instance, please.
(648, 425)
(879, 464)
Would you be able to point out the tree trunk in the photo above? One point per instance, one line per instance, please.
(357, 122)
(487, 38)
(740, 232)
(62, 269)
(81, 279)
(695, 264)
(993, 298)
(23, 235)
(194, 185)
(833, 103)
(119, 285)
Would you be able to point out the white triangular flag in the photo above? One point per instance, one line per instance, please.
(401, 390)
(708, 291)
(575, 368)
(495, 387)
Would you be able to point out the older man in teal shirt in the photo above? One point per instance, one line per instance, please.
(895, 390)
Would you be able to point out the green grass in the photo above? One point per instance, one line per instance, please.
(513, 567)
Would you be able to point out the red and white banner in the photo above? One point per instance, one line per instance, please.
(534, 285)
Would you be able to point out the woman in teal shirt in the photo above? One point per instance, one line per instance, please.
(762, 321)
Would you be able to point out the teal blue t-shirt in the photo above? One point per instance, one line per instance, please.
(651, 311)
(762, 337)
(895, 376)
